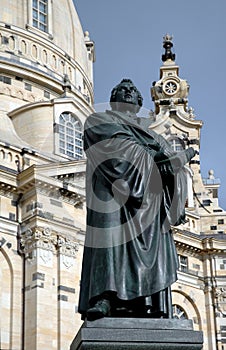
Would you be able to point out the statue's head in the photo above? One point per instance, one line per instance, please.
(126, 97)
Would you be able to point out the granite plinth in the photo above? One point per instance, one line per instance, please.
(137, 334)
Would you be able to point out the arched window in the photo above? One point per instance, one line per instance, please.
(177, 144)
(179, 313)
(70, 136)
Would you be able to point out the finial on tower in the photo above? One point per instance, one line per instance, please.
(167, 44)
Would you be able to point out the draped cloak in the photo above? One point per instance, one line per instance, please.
(131, 203)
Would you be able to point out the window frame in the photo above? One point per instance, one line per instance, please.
(179, 316)
(46, 34)
(183, 266)
(70, 136)
(172, 141)
(37, 21)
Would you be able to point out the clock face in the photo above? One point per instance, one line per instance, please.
(170, 87)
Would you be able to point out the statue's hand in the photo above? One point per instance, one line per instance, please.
(163, 163)
(172, 163)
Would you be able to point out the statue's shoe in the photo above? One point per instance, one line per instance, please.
(101, 309)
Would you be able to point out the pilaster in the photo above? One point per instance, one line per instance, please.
(67, 293)
(40, 289)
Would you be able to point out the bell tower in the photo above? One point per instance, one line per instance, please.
(172, 118)
(175, 120)
(170, 90)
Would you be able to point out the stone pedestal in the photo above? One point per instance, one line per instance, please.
(137, 334)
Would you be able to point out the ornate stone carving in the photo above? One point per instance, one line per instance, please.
(47, 243)
(67, 250)
(220, 295)
(191, 113)
(38, 237)
(66, 246)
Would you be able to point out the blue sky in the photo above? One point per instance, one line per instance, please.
(128, 38)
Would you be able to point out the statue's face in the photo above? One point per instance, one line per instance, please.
(127, 93)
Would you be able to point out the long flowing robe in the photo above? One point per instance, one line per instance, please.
(131, 203)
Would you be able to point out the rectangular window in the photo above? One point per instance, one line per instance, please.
(213, 227)
(40, 14)
(19, 78)
(183, 263)
(12, 216)
(196, 266)
(28, 87)
(220, 221)
(215, 193)
(46, 94)
(5, 79)
(206, 202)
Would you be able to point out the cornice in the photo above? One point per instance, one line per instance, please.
(47, 182)
(201, 244)
(8, 179)
(8, 227)
(161, 119)
(60, 227)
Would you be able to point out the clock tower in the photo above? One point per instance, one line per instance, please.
(170, 89)
(172, 117)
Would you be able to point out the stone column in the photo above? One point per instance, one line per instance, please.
(209, 302)
(40, 289)
(67, 252)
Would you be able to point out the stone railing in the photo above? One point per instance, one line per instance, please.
(27, 49)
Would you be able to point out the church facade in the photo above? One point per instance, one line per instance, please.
(46, 94)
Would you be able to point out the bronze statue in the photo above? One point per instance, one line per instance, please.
(136, 189)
